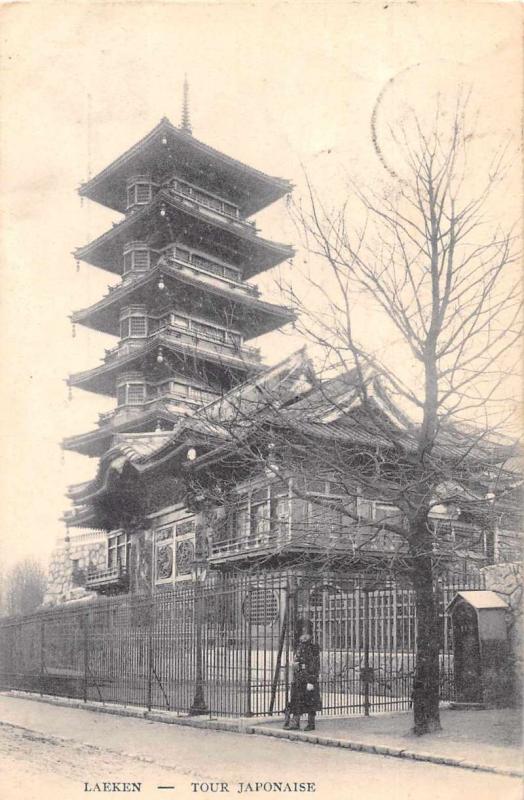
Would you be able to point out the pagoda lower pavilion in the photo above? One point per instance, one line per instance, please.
(184, 310)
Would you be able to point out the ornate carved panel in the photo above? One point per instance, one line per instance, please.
(185, 527)
(185, 555)
(164, 561)
(164, 554)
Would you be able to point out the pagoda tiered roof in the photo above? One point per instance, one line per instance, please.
(98, 440)
(231, 239)
(167, 148)
(185, 251)
(213, 358)
(237, 304)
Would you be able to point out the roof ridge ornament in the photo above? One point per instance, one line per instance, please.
(185, 124)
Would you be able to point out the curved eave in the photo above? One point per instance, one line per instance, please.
(238, 243)
(84, 518)
(97, 442)
(82, 495)
(238, 309)
(101, 379)
(248, 187)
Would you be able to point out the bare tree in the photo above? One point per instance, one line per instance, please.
(427, 260)
(25, 585)
(444, 278)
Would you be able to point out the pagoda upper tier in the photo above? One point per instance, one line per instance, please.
(168, 151)
(223, 362)
(166, 218)
(184, 309)
(188, 278)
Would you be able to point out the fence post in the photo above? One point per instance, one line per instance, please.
(20, 655)
(42, 656)
(366, 651)
(281, 642)
(198, 706)
(289, 595)
(86, 652)
(150, 656)
(249, 712)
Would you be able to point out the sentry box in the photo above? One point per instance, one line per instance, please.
(482, 660)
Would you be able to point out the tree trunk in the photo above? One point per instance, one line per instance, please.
(426, 685)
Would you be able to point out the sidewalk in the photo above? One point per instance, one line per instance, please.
(488, 741)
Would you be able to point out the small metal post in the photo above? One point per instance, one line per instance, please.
(198, 706)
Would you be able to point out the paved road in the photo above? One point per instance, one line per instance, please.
(51, 752)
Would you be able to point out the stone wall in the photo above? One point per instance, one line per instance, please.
(508, 546)
(506, 580)
(69, 562)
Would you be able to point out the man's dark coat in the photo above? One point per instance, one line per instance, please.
(302, 701)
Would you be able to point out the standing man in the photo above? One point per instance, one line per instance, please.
(305, 691)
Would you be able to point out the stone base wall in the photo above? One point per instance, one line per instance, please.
(69, 562)
(506, 580)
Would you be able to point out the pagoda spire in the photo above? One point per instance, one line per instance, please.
(185, 124)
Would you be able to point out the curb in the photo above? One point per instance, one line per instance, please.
(242, 725)
(385, 750)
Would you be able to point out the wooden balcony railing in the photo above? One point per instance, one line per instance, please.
(314, 539)
(164, 402)
(195, 340)
(211, 207)
(124, 349)
(196, 269)
(319, 538)
(205, 199)
(108, 579)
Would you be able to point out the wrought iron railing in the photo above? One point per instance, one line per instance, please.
(229, 641)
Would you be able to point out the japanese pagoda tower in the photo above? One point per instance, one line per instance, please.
(184, 310)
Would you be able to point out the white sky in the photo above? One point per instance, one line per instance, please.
(276, 85)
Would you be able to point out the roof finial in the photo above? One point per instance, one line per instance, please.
(186, 121)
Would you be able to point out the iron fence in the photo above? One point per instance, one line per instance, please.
(225, 646)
